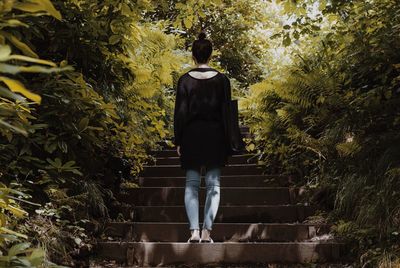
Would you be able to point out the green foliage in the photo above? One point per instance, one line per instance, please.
(15, 117)
(59, 228)
(15, 251)
(21, 255)
(239, 50)
(328, 114)
(332, 117)
(14, 108)
(95, 123)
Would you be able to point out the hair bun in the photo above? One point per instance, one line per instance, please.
(202, 36)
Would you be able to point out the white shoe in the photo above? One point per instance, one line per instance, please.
(205, 236)
(195, 238)
(206, 240)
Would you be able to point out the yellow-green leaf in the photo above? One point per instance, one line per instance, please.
(5, 52)
(29, 59)
(8, 231)
(16, 86)
(202, 14)
(14, 23)
(20, 45)
(114, 39)
(188, 21)
(17, 211)
(14, 128)
(251, 147)
(39, 5)
(83, 124)
(6, 93)
(12, 69)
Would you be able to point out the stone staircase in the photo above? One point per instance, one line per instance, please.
(260, 220)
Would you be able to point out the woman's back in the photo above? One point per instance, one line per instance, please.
(198, 124)
(205, 95)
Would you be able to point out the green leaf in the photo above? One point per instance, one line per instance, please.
(188, 21)
(69, 164)
(37, 256)
(5, 52)
(16, 86)
(58, 162)
(6, 93)
(286, 41)
(83, 124)
(77, 172)
(12, 69)
(18, 248)
(8, 231)
(33, 60)
(14, 23)
(77, 240)
(315, 27)
(13, 128)
(8, 237)
(296, 35)
(18, 212)
(38, 5)
(288, 6)
(114, 39)
(20, 45)
(322, 5)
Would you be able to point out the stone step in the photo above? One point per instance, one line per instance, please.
(172, 152)
(338, 264)
(177, 171)
(221, 232)
(151, 254)
(225, 214)
(225, 181)
(170, 196)
(236, 159)
(167, 144)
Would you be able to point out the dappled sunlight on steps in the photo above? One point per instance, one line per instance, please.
(259, 221)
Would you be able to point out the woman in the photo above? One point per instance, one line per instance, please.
(199, 135)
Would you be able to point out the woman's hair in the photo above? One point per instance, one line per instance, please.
(202, 48)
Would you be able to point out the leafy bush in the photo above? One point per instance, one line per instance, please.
(95, 122)
(332, 118)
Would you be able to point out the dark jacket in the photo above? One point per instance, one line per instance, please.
(198, 125)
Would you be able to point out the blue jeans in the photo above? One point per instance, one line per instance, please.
(212, 179)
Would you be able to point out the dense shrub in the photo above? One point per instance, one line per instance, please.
(331, 120)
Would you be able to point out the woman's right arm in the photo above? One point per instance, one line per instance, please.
(179, 112)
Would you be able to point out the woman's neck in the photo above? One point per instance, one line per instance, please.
(202, 65)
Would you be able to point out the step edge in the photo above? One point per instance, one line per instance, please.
(228, 165)
(325, 242)
(222, 175)
(223, 223)
(241, 206)
(222, 187)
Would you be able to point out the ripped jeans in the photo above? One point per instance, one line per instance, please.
(212, 180)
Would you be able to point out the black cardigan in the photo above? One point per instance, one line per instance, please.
(198, 125)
